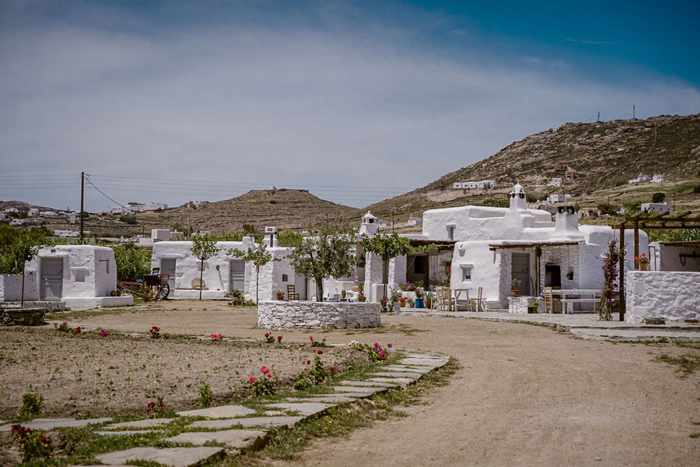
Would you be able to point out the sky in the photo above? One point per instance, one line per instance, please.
(171, 101)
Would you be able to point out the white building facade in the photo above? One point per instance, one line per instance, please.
(81, 276)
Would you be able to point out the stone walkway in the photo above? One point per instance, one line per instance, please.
(231, 428)
(584, 325)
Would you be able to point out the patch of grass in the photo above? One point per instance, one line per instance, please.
(686, 364)
(341, 420)
(402, 328)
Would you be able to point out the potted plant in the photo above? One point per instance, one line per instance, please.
(419, 298)
(396, 301)
(515, 288)
(343, 296)
(643, 262)
(280, 295)
(402, 301)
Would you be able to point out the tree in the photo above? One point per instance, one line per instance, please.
(132, 262)
(17, 247)
(289, 238)
(259, 256)
(658, 197)
(327, 253)
(610, 274)
(203, 248)
(386, 246)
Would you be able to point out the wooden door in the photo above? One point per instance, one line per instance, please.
(51, 278)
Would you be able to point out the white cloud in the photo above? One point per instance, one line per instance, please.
(254, 106)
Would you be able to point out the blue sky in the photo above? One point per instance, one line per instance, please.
(172, 101)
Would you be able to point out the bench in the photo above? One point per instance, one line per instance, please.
(568, 303)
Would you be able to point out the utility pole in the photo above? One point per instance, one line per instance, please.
(82, 204)
(598, 117)
(634, 112)
(393, 210)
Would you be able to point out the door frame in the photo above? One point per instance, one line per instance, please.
(42, 284)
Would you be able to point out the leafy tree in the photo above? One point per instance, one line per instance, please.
(607, 208)
(259, 256)
(327, 253)
(17, 247)
(496, 202)
(289, 238)
(203, 248)
(386, 246)
(658, 197)
(132, 262)
(610, 273)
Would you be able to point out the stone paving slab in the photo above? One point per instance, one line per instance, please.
(398, 374)
(330, 399)
(399, 381)
(366, 383)
(175, 457)
(51, 423)
(418, 371)
(224, 411)
(431, 362)
(303, 408)
(138, 424)
(237, 439)
(366, 391)
(124, 433)
(265, 422)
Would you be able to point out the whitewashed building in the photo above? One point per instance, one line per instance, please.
(503, 251)
(474, 185)
(81, 276)
(225, 273)
(655, 208)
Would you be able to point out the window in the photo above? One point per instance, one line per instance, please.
(467, 272)
(79, 274)
(420, 264)
(285, 278)
(451, 232)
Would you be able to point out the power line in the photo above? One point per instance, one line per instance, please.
(87, 179)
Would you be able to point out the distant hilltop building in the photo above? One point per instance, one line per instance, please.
(145, 207)
(641, 178)
(554, 182)
(555, 198)
(475, 185)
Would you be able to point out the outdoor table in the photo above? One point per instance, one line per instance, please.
(568, 300)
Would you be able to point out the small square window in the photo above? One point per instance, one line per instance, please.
(467, 272)
(79, 274)
(285, 278)
(450, 232)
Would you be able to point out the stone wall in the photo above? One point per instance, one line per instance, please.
(303, 314)
(674, 296)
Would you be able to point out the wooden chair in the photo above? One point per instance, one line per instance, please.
(478, 303)
(292, 293)
(443, 299)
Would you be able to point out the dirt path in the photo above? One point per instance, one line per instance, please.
(525, 395)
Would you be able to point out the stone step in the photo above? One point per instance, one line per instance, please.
(174, 457)
(303, 408)
(237, 439)
(47, 424)
(264, 422)
(223, 411)
(139, 424)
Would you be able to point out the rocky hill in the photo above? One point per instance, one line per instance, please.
(591, 158)
(283, 208)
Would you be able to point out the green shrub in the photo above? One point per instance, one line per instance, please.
(205, 395)
(658, 197)
(32, 405)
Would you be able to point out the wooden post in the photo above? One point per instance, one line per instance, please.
(636, 246)
(623, 304)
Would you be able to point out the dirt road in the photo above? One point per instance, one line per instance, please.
(525, 395)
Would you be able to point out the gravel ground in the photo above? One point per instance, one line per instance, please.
(93, 375)
(525, 395)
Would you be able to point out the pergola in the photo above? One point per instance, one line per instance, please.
(536, 247)
(645, 221)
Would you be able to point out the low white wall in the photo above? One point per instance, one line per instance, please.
(671, 295)
(302, 314)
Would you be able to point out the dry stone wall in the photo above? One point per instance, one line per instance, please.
(303, 314)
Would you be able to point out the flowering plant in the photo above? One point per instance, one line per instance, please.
(216, 336)
(154, 332)
(77, 330)
(103, 332)
(269, 338)
(262, 386)
(279, 339)
(315, 343)
(63, 327)
(34, 444)
(156, 408)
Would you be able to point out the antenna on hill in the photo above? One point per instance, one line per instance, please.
(598, 119)
(634, 112)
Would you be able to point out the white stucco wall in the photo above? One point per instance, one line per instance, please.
(373, 277)
(674, 296)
